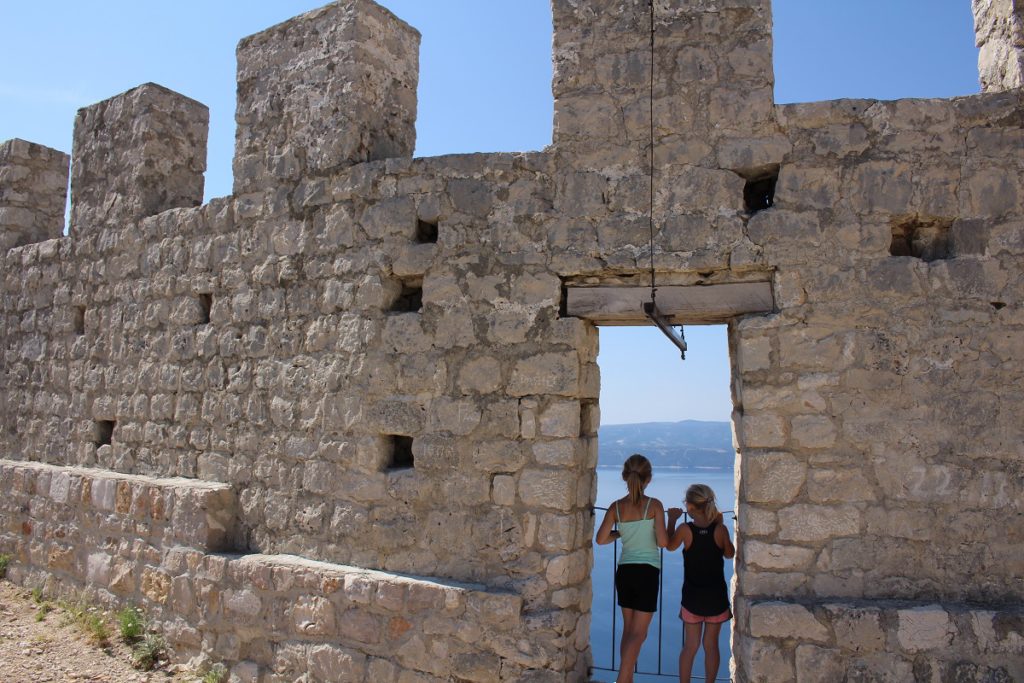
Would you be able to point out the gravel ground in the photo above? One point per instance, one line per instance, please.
(54, 649)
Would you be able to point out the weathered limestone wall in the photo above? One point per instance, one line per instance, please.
(999, 33)
(371, 352)
(880, 445)
(33, 193)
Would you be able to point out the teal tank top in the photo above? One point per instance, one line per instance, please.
(638, 543)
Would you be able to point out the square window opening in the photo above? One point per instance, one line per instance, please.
(426, 232)
(921, 237)
(759, 192)
(409, 299)
(399, 455)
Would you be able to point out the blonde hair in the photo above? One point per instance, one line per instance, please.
(636, 472)
(703, 498)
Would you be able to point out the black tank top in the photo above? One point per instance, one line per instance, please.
(704, 590)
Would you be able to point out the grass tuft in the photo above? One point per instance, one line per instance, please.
(147, 653)
(131, 623)
(88, 619)
(4, 561)
(218, 673)
(44, 609)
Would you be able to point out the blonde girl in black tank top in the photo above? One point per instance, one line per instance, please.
(705, 604)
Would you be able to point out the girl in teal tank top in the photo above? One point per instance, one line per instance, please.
(639, 523)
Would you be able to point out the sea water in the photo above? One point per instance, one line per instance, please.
(668, 485)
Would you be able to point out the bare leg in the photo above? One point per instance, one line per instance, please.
(627, 625)
(712, 657)
(691, 644)
(634, 633)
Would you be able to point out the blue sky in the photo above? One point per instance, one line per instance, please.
(485, 75)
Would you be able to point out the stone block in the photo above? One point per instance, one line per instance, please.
(786, 621)
(881, 186)
(763, 661)
(503, 490)
(97, 569)
(477, 667)
(561, 419)
(816, 523)
(244, 602)
(761, 431)
(313, 616)
(546, 373)
(547, 488)
(333, 87)
(776, 556)
(857, 629)
(755, 354)
(817, 664)
(771, 477)
(360, 626)
(332, 663)
(135, 155)
(755, 521)
(480, 375)
(560, 453)
(924, 629)
(813, 431)
(839, 486)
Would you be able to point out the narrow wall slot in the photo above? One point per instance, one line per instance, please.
(426, 232)
(205, 304)
(759, 191)
(79, 320)
(104, 432)
(399, 452)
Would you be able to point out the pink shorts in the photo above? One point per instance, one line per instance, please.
(691, 618)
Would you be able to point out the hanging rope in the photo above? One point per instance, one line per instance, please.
(650, 213)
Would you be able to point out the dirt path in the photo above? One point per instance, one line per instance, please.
(54, 649)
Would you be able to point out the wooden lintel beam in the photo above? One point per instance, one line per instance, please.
(690, 304)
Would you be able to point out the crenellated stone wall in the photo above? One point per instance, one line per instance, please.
(373, 355)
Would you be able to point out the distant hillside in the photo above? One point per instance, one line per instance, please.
(690, 443)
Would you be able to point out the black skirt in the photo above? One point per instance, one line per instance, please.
(637, 586)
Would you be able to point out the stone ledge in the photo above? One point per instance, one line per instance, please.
(294, 616)
(161, 511)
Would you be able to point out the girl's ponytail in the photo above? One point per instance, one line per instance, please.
(636, 472)
(703, 498)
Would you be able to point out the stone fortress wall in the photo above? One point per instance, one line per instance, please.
(341, 423)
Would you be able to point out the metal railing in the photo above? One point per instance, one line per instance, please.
(661, 613)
